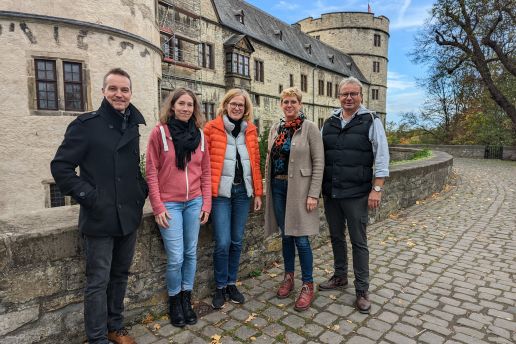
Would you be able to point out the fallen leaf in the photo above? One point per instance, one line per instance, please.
(333, 297)
(335, 327)
(252, 338)
(250, 317)
(349, 321)
(271, 275)
(238, 283)
(148, 319)
(156, 327)
(328, 271)
(215, 339)
(281, 305)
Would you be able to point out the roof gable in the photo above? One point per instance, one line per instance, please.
(265, 28)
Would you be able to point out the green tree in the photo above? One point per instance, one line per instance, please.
(473, 37)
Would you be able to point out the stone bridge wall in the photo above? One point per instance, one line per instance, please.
(464, 151)
(42, 267)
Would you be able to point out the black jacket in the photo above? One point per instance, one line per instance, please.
(348, 157)
(110, 187)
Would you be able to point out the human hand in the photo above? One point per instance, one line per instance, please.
(311, 203)
(257, 203)
(162, 219)
(374, 199)
(204, 217)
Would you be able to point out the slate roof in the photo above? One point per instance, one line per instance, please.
(263, 27)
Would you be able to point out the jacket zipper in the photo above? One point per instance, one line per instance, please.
(187, 187)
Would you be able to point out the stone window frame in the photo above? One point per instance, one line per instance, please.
(375, 92)
(280, 88)
(304, 83)
(336, 90)
(206, 55)
(377, 40)
(59, 59)
(208, 110)
(51, 190)
(320, 122)
(259, 70)
(291, 80)
(321, 87)
(329, 89)
(376, 66)
(233, 65)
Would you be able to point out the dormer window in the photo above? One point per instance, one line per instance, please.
(279, 34)
(331, 57)
(308, 48)
(240, 16)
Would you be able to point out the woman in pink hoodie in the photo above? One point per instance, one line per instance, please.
(178, 175)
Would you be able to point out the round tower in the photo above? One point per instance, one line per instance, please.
(54, 57)
(365, 38)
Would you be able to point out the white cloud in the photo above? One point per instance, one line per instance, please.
(397, 81)
(410, 16)
(288, 6)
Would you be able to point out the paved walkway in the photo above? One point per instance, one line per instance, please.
(443, 271)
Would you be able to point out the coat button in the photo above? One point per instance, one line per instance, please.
(119, 206)
(119, 179)
(82, 194)
(291, 160)
(291, 176)
(111, 126)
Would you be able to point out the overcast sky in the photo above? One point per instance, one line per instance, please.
(406, 18)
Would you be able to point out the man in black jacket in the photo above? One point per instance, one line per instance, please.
(354, 141)
(104, 144)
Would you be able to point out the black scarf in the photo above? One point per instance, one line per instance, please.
(186, 137)
(238, 126)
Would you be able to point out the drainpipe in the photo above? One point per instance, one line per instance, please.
(313, 92)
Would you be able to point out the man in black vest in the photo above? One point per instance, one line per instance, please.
(111, 192)
(354, 141)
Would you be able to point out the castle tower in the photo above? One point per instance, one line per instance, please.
(365, 38)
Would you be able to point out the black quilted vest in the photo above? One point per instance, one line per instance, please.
(349, 159)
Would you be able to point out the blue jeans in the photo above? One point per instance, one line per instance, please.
(108, 260)
(229, 216)
(180, 240)
(289, 243)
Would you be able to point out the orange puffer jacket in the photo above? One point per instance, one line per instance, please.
(217, 142)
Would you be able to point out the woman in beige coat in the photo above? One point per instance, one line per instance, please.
(294, 171)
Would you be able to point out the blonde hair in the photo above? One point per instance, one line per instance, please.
(291, 92)
(248, 106)
(167, 107)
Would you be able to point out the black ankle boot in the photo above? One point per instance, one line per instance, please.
(188, 312)
(176, 311)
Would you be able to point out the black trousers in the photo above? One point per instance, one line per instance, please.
(108, 260)
(350, 213)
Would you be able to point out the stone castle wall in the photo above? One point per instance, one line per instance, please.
(30, 137)
(42, 266)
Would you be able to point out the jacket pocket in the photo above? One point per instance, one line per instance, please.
(306, 172)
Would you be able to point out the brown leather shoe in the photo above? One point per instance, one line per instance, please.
(363, 304)
(305, 298)
(286, 286)
(121, 337)
(335, 282)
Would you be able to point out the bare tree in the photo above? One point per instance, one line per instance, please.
(473, 37)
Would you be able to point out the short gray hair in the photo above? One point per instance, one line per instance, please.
(350, 81)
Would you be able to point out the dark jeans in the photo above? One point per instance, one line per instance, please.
(353, 213)
(289, 243)
(108, 260)
(229, 216)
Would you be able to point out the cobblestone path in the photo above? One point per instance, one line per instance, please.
(442, 271)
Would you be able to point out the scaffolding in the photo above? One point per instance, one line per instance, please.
(180, 37)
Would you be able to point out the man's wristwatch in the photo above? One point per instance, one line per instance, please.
(377, 188)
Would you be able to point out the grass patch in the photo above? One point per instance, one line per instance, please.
(419, 155)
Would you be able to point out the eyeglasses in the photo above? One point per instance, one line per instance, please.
(237, 105)
(350, 94)
(289, 102)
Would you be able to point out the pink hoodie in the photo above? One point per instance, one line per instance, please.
(166, 182)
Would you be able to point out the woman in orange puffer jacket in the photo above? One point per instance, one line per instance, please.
(235, 178)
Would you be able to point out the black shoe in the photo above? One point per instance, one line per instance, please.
(234, 295)
(219, 298)
(176, 311)
(188, 312)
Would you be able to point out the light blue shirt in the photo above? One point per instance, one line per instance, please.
(378, 140)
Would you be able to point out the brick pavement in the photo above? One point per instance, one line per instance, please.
(442, 271)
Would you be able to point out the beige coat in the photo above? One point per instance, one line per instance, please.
(305, 170)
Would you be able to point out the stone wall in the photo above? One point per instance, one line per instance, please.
(464, 151)
(42, 269)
